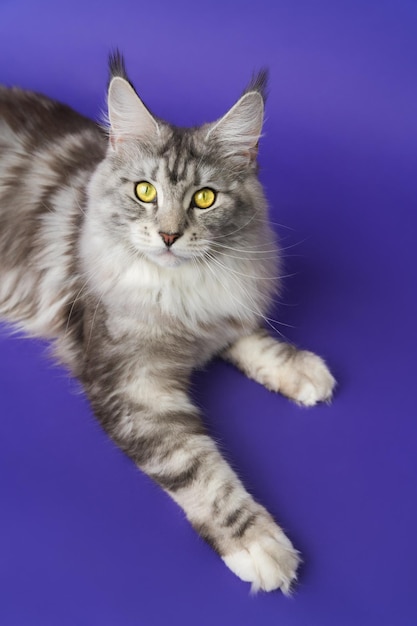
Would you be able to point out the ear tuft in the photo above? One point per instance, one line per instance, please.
(259, 83)
(117, 65)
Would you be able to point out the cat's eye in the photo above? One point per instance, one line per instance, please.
(204, 198)
(145, 191)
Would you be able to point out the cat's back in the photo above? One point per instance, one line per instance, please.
(38, 119)
(48, 153)
(44, 135)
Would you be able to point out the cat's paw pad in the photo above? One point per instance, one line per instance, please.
(307, 379)
(269, 562)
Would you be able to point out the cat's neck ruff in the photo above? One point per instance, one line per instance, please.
(194, 293)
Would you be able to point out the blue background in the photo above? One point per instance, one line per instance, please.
(85, 538)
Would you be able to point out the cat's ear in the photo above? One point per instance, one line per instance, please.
(238, 131)
(128, 116)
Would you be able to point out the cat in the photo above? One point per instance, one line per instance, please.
(141, 251)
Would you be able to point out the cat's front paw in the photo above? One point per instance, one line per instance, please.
(306, 379)
(266, 558)
(260, 553)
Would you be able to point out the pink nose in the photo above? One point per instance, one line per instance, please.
(169, 238)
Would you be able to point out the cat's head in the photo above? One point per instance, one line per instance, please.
(179, 194)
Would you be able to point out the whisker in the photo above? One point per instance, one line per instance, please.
(272, 223)
(237, 229)
(248, 250)
(267, 256)
(255, 276)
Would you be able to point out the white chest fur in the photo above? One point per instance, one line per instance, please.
(194, 294)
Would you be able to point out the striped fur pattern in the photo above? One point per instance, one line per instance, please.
(135, 295)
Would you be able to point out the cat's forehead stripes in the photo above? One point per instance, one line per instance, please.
(179, 157)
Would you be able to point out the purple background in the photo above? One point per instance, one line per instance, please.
(85, 538)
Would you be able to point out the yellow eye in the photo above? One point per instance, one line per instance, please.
(205, 198)
(145, 191)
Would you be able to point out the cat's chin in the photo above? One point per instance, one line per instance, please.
(167, 259)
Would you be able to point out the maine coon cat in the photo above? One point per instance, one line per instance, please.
(141, 253)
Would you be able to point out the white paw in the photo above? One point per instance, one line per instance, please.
(269, 562)
(307, 379)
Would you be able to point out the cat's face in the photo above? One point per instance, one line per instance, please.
(178, 195)
(179, 203)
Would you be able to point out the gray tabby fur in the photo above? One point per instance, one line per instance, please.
(83, 263)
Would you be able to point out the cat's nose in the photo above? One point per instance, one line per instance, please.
(169, 238)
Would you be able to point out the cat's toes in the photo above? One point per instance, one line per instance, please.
(268, 562)
(307, 379)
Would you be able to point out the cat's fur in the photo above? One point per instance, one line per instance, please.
(83, 263)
